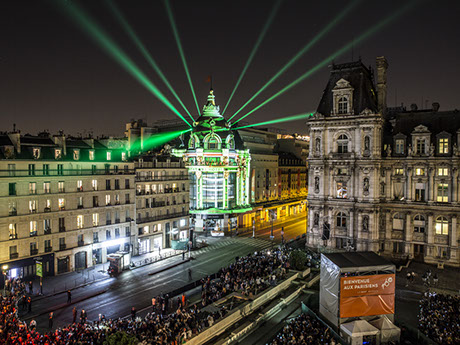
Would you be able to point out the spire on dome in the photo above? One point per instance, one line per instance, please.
(211, 109)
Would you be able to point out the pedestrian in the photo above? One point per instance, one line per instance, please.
(29, 304)
(74, 314)
(33, 324)
(189, 274)
(153, 304)
(31, 287)
(408, 277)
(50, 320)
(83, 316)
(178, 302)
(69, 296)
(435, 279)
(24, 302)
(133, 313)
(183, 255)
(183, 301)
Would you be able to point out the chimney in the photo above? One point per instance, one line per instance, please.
(60, 141)
(382, 66)
(435, 106)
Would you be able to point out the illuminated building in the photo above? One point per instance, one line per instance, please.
(218, 168)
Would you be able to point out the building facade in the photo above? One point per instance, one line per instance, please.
(66, 202)
(382, 179)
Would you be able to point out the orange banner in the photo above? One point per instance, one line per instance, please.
(381, 284)
(367, 305)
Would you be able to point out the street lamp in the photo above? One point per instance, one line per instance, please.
(4, 268)
(306, 221)
(271, 219)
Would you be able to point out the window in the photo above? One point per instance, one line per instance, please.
(342, 105)
(213, 143)
(94, 184)
(117, 184)
(61, 204)
(12, 188)
(80, 186)
(182, 222)
(442, 226)
(57, 153)
(60, 169)
(443, 172)
(117, 233)
(91, 155)
(95, 237)
(443, 145)
(32, 206)
(95, 201)
(419, 223)
(48, 247)
(341, 220)
(31, 169)
(342, 190)
(123, 156)
(399, 171)
(420, 146)
(11, 169)
(46, 169)
(95, 219)
(398, 221)
(107, 199)
(76, 155)
(33, 248)
(12, 231)
(398, 247)
(126, 184)
(342, 171)
(108, 235)
(108, 218)
(442, 192)
(61, 224)
(342, 144)
(36, 153)
(80, 222)
(127, 231)
(399, 144)
(33, 228)
(107, 185)
(109, 155)
(61, 188)
(419, 192)
(117, 199)
(420, 171)
(46, 187)
(80, 202)
(32, 188)
(47, 225)
(93, 169)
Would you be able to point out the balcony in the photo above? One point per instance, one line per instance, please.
(161, 178)
(67, 172)
(95, 204)
(13, 236)
(14, 255)
(61, 208)
(47, 209)
(79, 189)
(33, 233)
(128, 219)
(117, 221)
(48, 249)
(61, 190)
(62, 229)
(62, 246)
(33, 211)
(13, 212)
(161, 217)
(34, 251)
(81, 243)
(47, 231)
(108, 222)
(96, 240)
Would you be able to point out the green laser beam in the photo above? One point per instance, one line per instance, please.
(265, 28)
(96, 33)
(282, 119)
(331, 57)
(157, 140)
(130, 31)
(181, 51)
(301, 52)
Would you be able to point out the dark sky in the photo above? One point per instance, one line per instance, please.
(52, 76)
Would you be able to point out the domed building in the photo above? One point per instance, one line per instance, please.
(218, 168)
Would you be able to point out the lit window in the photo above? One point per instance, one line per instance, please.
(341, 220)
(399, 143)
(57, 153)
(61, 188)
(32, 188)
(421, 146)
(159, 227)
(399, 171)
(91, 155)
(46, 188)
(342, 144)
(48, 204)
(420, 171)
(107, 199)
(443, 145)
(342, 190)
(80, 221)
(342, 105)
(80, 185)
(36, 153)
(61, 204)
(94, 184)
(442, 226)
(76, 155)
(95, 219)
(123, 156)
(12, 231)
(442, 192)
(419, 192)
(182, 222)
(109, 155)
(443, 172)
(32, 206)
(33, 228)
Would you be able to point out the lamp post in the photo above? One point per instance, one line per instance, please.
(271, 219)
(4, 269)
(306, 222)
(253, 228)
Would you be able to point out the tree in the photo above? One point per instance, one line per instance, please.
(297, 260)
(121, 338)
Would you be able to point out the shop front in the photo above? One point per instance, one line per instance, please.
(26, 268)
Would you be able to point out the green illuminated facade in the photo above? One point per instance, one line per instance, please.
(218, 169)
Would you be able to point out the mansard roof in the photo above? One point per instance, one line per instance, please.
(360, 78)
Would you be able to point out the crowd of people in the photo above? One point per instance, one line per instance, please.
(438, 318)
(305, 330)
(165, 324)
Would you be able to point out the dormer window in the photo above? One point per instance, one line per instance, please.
(194, 142)
(123, 156)
(443, 146)
(76, 155)
(36, 153)
(230, 142)
(399, 146)
(109, 155)
(57, 153)
(421, 146)
(212, 142)
(91, 155)
(342, 105)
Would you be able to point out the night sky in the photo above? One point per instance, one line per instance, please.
(53, 76)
